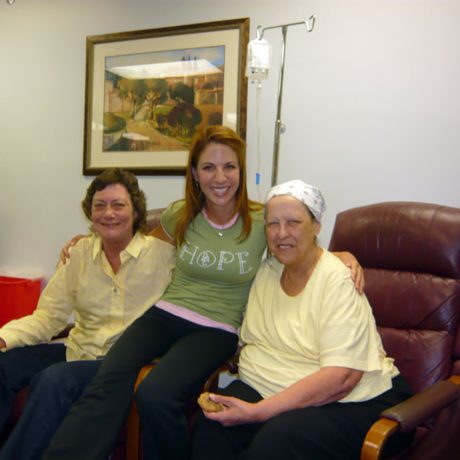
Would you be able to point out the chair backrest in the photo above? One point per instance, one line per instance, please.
(153, 218)
(410, 253)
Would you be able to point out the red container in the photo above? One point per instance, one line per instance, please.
(18, 297)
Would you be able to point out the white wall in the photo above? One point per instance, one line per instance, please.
(371, 103)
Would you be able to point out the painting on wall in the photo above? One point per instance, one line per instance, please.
(149, 91)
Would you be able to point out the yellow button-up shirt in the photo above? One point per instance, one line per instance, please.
(104, 303)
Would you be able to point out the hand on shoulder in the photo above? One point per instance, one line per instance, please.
(65, 251)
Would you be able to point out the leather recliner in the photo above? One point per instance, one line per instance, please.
(410, 253)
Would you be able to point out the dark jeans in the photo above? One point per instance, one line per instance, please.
(17, 369)
(189, 354)
(52, 393)
(331, 432)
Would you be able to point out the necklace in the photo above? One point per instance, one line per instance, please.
(220, 227)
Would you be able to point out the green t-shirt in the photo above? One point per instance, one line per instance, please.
(213, 274)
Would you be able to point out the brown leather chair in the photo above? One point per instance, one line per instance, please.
(153, 218)
(410, 253)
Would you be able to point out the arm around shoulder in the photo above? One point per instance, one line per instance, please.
(357, 273)
(65, 251)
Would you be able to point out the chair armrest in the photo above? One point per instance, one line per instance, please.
(231, 366)
(409, 414)
(412, 412)
(133, 422)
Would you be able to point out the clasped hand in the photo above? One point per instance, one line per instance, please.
(235, 411)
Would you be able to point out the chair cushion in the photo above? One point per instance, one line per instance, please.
(418, 318)
(415, 237)
(423, 357)
(413, 300)
(153, 218)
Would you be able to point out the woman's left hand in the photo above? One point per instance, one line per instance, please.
(235, 411)
(357, 272)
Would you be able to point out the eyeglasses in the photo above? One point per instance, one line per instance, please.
(102, 206)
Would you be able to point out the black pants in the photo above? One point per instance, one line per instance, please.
(331, 432)
(52, 393)
(189, 354)
(19, 366)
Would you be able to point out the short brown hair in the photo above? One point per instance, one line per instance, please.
(130, 182)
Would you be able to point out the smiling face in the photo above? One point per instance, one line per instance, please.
(291, 230)
(218, 174)
(113, 215)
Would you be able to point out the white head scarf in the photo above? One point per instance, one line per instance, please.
(309, 195)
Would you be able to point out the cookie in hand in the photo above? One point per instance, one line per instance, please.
(208, 405)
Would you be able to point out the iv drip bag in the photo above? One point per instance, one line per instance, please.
(258, 62)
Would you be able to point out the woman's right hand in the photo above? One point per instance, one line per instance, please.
(65, 251)
(2, 343)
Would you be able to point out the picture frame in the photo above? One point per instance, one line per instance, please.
(148, 91)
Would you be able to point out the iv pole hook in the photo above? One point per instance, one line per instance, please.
(279, 127)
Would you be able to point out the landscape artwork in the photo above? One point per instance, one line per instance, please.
(148, 91)
(156, 101)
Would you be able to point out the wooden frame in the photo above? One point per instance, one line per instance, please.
(147, 92)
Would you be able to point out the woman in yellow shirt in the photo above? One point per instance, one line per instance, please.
(313, 375)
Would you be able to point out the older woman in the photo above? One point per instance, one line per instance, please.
(113, 278)
(313, 373)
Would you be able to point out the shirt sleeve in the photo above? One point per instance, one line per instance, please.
(168, 217)
(345, 331)
(56, 303)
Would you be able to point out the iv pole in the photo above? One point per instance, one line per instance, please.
(279, 127)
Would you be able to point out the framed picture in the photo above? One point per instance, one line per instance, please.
(148, 91)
